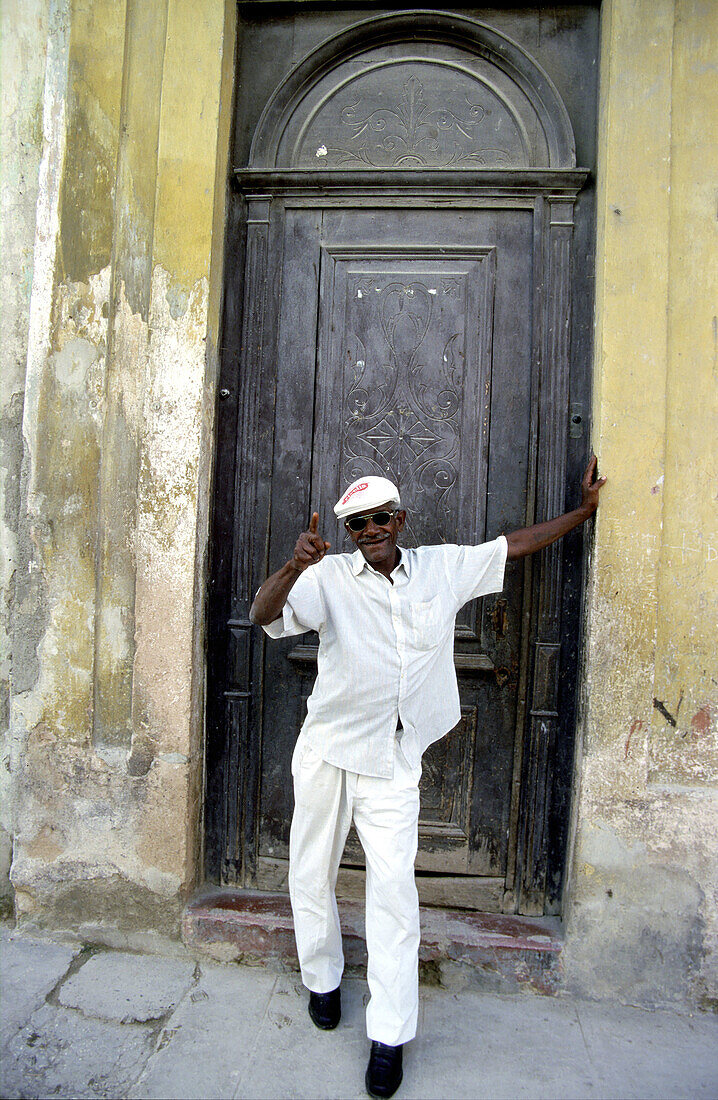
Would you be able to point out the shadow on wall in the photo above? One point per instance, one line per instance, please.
(636, 934)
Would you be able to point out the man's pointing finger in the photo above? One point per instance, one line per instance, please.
(314, 523)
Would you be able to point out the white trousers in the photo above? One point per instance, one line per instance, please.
(385, 813)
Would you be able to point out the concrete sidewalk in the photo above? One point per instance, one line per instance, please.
(101, 1023)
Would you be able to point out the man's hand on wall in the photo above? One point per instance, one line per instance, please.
(530, 539)
(591, 485)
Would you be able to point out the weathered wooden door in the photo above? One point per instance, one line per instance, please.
(410, 356)
(405, 316)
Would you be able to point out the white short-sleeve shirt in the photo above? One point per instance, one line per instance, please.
(386, 650)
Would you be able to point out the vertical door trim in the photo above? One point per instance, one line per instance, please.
(543, 719)
(242, 770)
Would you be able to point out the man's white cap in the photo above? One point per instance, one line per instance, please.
(366, 493)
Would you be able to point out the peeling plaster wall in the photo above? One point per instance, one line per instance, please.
(106, 710)
(23, 38)
(643, 916)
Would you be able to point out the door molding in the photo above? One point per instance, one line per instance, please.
(519, 81)
(447, 183)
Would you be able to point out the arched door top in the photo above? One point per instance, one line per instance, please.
(417, 89)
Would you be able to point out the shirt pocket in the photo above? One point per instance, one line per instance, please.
(426, 623)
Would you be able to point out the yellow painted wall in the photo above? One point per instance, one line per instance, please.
(686, 664)
(118, 427)
(643, 916)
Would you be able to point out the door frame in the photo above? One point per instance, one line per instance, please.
(235, 719)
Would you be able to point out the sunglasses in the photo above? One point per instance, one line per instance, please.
(358, 523)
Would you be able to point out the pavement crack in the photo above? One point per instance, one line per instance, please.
(86, 953)
(240, 1083)
(160, 1035)
(587, 1048)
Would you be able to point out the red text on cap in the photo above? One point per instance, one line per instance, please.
(357, 489)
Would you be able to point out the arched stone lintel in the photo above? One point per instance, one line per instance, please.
(417, 28)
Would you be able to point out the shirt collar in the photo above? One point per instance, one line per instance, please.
(358, 562)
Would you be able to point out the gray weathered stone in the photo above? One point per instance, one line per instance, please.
(520, 1046)
(242, 1031)
(61, 1053)
(29, 970)
(222, 1014)
(639, 1053)
(127, 988)
(636, 935)
(291, 1058)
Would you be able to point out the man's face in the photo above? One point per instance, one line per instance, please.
(378, 542)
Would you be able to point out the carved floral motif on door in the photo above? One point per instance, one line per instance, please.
(401, 411)
(410, 133)
(395, 123)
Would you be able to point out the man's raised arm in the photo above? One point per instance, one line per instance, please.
(530, 539)
(272, 596)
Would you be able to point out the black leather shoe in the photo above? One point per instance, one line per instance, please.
(325, 1009)
(384, 1072)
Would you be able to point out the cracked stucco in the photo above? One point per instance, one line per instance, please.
(642, 922)
(117, 425)
(23, 45)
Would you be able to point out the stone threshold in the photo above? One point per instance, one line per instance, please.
(493, 950)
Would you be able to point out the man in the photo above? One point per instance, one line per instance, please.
(385, 690)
